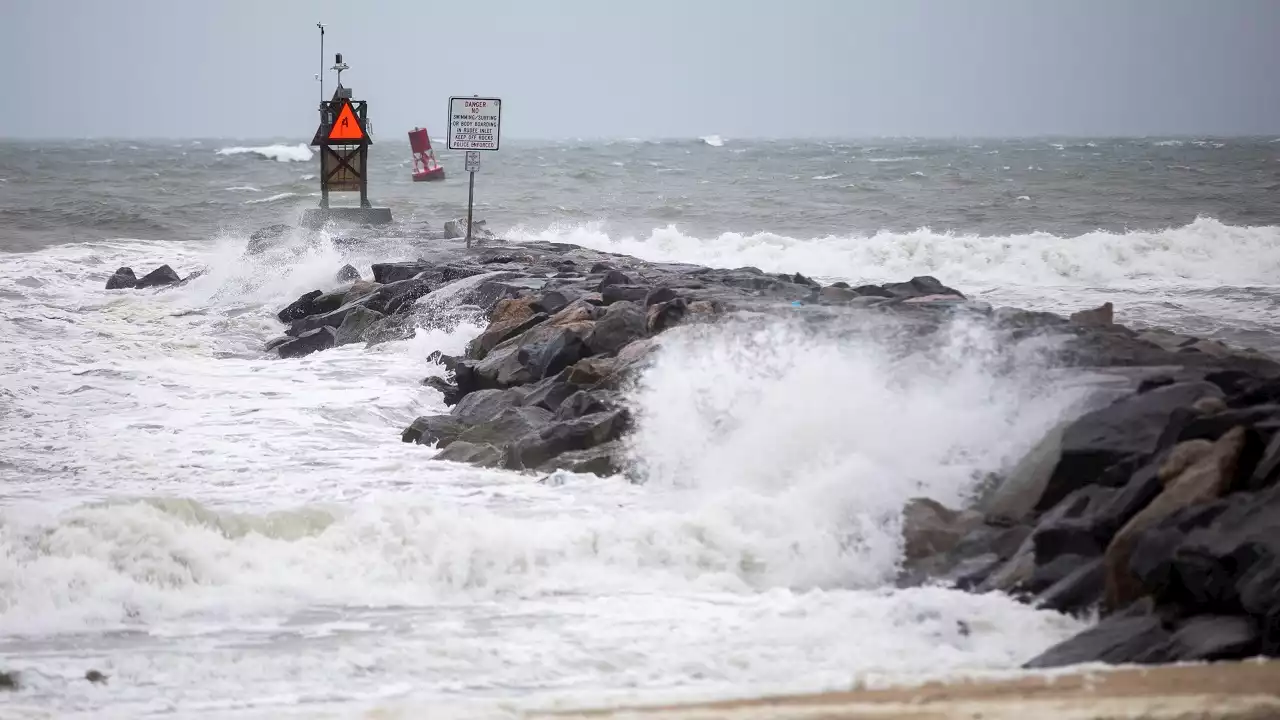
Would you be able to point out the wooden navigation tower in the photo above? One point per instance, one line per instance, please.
(343, 139)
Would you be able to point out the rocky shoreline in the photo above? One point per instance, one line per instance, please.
(1158, 510)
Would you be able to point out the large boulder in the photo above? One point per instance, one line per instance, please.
(480, 455)
(302, 307)
(509, 425)
(1120, 638)
(1016, 496)
(355, 325)
(604, 460)
(536, 448)
(1196, 472)
(1127, 429)
(122, 279)
(527, 358)
(306, 343)
(433, 429)
(622, 324)
(929, 528)
(484, 406)
(163, 275)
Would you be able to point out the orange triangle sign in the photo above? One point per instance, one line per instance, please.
(346, 126)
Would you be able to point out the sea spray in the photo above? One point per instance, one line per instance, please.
(810, 441)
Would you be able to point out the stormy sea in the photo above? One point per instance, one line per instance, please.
(219, 532)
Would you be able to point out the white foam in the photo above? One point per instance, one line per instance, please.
(280, 153)
(260, 528)
(243, 188)
(832, 176)
(712, 140)
(274, 198)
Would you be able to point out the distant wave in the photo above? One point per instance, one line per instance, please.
(1204, 252)
(279, 153)
(243, 188)
(905, 158)
(712, 140)
(273, 198)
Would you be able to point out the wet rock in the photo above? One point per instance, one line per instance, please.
(480, 455)
(621, 324)
(527, 358)
(348, 273)
(586, 402)
(664, 316)
(394, 297)
(1129, 428)
(509, 425)
(94, 676)
(536, 448)
(618, 293)
(428, 429)
(10, 680)
(604, 460)
(484, 406)
(311, 341)
(499, 332)
(446, 388)
(659, 295)
(833, 294)
(929, 528)
(302, 307)
(578, 313)
(1267, 470)
(455, 229)
(276, 342)
(1121, 638)
(122, 279)
(163, 275)
(1208, 638)
(264, 239)
(355, 325)
(553, 301)
(920, 286)
(1101, 316)
(612, 277)
(1015, 497)
(1078, 591)
(1062, 566)
(1198, 474)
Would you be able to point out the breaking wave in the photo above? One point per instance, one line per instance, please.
(1205, 252)
(279, 153)
(712, 140)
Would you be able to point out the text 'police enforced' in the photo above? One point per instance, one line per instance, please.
(474, 123)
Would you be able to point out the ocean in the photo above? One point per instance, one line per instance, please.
(227, 534)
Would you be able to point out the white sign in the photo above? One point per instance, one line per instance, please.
(473, 161)
(474, 123)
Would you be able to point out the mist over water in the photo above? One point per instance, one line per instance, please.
(224, 532)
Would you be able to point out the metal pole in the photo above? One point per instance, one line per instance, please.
(321, 61)
(471, 196)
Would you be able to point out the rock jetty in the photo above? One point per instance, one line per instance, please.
(1158, 510)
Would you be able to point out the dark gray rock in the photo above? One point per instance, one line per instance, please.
(122, 279)
(618, 293)
(1267, 470)
(622, 324)
(509, 425)
(276, 342)
(1208, 638)
(929, 528)
(659, 295)
(1126, 429)
(355, 325)
(551, 392)
(348, 273)
(263, 240)
(553, 301)
(498, 333)
(544, 350)
(484, 406)
(480, 455)
(1078, 591)
(163, 275)
(666, 315)
(1048, 574)
(302, 307)
(446, 388)
(920, 287)
(604, 460)
(536, 448)
(1121, 638)
(428, 429)
(612, 277)
(306, 343)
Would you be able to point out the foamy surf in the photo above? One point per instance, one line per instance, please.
(220, 531)
(279, 153)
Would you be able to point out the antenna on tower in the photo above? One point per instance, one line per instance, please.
(320, 75)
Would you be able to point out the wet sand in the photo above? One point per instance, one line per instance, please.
(1235, 691)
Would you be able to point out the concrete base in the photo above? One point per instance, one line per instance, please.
(316, 218)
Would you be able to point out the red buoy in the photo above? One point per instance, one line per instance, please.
(425, 166)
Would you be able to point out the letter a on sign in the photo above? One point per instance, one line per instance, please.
(347, 126)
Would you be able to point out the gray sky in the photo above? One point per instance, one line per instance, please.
(651, 68)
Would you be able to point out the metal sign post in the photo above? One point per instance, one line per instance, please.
(475, 124)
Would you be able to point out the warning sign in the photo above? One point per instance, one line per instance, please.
(346, 126)
(475, 123)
